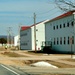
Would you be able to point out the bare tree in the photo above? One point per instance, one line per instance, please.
(65, 5)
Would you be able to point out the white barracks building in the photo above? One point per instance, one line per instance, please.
(27, 38)
(61, 30)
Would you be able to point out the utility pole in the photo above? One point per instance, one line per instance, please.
(19, 36)
(35, 32)
(12, 39)
(9, 36)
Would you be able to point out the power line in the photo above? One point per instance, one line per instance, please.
(52, 14)
(29, 21)
(46, 11)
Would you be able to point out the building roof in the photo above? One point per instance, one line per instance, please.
(39, 22)
(36, 23)
(25, 27)
(62, 16)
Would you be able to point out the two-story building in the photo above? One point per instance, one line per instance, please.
(61, 30)
(32, 36)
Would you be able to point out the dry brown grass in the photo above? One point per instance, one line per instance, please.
(2, 48)
(33, 53)
(60, 65)
(28, 62)
(71, 60)
(12, 54)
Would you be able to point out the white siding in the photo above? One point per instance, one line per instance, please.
(25, 39)
(32, 38)
(40, 35)
(16, 40)
(29, 38)
(60, 33)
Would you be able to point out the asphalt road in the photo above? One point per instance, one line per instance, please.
(4, 70)
(47, 70)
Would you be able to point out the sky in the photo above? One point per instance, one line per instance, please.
(15, 13)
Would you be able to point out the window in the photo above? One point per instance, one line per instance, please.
(54, 41)
(68, 40)
(24, 34)
(36, 29)
(36, 40)
(72, 23)
(64, 40)
(64, 25)
(57, 41)
(68, 24)
(60, 26)
(72, 39)
(24, 44)
(54, 27)
(60, 40)
(57, 26)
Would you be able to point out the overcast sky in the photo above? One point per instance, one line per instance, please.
(20, 12)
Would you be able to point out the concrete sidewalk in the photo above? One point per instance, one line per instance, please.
(47, 70)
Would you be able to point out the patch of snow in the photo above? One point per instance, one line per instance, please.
(73, 57)
(43, 64)
(45, 54)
